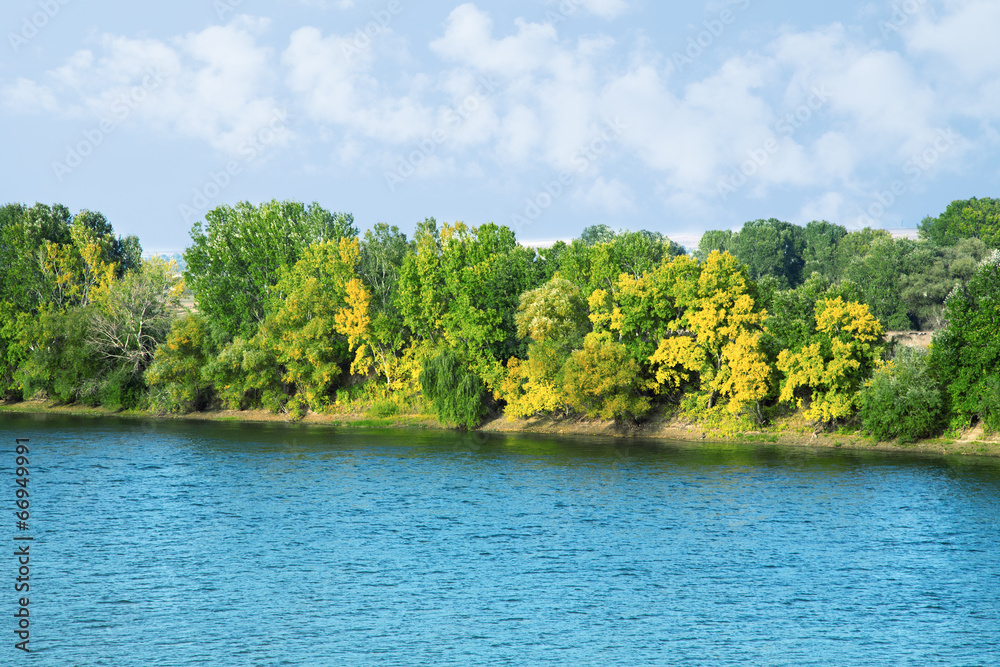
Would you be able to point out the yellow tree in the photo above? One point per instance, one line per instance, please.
(832, 367)
(715, 336)
(322, 315)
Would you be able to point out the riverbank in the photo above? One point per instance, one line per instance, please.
(791, 430)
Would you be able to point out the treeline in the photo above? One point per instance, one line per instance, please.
(294, 311)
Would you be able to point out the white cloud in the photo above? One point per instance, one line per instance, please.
(608, 9)
(966, 38)
(26, 96)
(214, 85)
(333, 79)
(611, 195)
(468, 39)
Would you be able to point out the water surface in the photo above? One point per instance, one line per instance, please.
(218, 544)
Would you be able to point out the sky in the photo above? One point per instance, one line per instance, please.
(543, 115)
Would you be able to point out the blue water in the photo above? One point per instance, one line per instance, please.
(208, 544)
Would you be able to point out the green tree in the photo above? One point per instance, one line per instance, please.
(881, 274)
(176, 374)
(238, 254)
(966, 355)
(602, 381)
(771, 248)
(458, 394)
(967, 218)
(903, 400)
(820, 254)
(715, 240)
(554, 318)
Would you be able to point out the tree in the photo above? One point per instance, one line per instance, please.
(833, 366)
(133, 318)
(820, 254)
(554, 318)
(717, 336)
(176, 374)
(460, 287)
(311, 327)
(903, 400)
(630, 253)
(962, 219)
(935, 272)
(771, 248)
(595, 234)
(881, 274)
(457, 393)
(602, 381)
(238, 254)
(966, 355)
(715, 240)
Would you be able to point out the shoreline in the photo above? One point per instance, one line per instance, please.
(790, 432)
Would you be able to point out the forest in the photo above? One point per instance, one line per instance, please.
(288, 307)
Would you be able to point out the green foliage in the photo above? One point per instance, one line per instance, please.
(382, 254)
(461, 287)
(714, 240)
(595, 234)
(771, 248)
(59, 364)
(903, 400)
(238, 254)
(175, 375)
(132, 319)
(791, 321)
(881, 273)
(935, 272)
(246, 375)
(963, 219)
(630, 253)
(457, 393)
(967, 354)
(820, 254)
(556, 312)
(602, 380)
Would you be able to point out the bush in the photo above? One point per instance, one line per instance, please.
(602, 380)
(384, 409)
(458, 394)
(176, 373)
(903, 400)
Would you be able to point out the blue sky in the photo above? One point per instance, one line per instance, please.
(544, 115)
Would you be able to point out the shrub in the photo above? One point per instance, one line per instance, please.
(603, 380)
(903, 400)
(457, 393)
(175, 376)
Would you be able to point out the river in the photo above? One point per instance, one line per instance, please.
(187, 543)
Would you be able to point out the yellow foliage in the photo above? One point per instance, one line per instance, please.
(529, 387)
(836, 363)
(718, 334)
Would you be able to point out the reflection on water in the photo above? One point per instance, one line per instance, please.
(223, 544)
